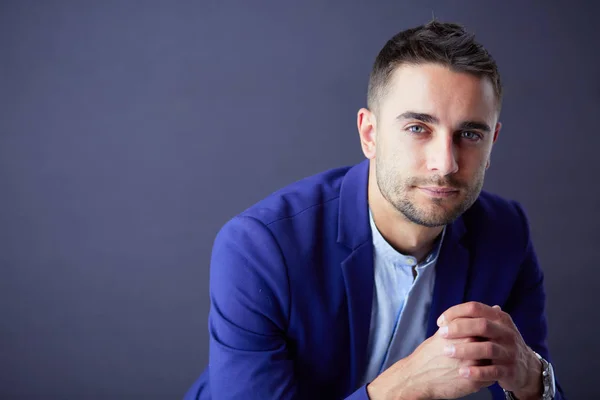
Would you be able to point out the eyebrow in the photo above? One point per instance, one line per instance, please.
(430, 119)
(474, 125)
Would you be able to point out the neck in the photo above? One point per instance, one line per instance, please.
(402, 234)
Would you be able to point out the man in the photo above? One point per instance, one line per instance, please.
(397, 278)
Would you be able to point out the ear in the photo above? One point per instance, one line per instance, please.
(497, 131)
(366, 123)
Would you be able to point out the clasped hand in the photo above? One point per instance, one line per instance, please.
(475, 346)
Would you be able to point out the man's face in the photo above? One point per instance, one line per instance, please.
(433, 138)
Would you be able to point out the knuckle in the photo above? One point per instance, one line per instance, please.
(511, 354)
(472, 307)
(499, 351)
(492, 373)
(488, 350)
(477, 374)
(482, 326)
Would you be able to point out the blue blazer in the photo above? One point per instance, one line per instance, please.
(291, 287)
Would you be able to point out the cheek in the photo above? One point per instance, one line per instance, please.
(402, 154)
(414, 162)
(409, 153)
(473, 160)
(401, 162)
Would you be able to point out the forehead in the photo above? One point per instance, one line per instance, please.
(435, 89)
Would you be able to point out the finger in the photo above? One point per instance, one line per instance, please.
(474, 327)
(468, 340)
(471, 309)
(485, 373)
(478, 351)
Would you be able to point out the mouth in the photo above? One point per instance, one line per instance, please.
(439, 191)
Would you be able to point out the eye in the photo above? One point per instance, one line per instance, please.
(416, 129)
(471, 136)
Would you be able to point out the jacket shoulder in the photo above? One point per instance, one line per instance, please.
(292, 200)
(494, 217)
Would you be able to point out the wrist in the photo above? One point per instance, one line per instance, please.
(534, 388)
(381, 391)
(395, 383)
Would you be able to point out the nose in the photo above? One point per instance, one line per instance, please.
(442, 156)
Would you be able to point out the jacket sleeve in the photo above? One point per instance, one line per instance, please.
(249, 356)
(526, 305)
(249, 292)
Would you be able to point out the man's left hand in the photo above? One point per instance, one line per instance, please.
(509, 360)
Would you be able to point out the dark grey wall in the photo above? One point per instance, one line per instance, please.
(130, 131)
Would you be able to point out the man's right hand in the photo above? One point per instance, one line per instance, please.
(428, 373)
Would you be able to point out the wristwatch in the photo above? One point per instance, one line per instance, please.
(547, 381)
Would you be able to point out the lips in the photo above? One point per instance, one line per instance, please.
(438, 191)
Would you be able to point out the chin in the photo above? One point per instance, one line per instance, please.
(433, 215)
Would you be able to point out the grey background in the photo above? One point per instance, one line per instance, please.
(130, 131)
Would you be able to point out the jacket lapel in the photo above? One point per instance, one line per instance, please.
(358, 279)
(451, 273)
(354, 232)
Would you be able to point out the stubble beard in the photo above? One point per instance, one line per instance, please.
(396, 192)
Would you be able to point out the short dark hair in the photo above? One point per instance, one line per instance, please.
(447, 44)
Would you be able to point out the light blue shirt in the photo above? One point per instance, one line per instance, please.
(401, 303)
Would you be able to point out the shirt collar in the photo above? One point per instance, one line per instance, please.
(385, 250)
